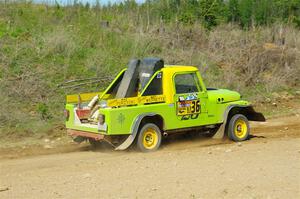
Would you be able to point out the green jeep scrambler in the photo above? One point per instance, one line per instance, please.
(148, 100)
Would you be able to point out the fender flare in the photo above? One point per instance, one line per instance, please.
(134, 131)
(250, 113)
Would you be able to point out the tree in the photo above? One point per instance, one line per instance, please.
(212, 12)
(245, 11)
(262, 12)
(233, 11)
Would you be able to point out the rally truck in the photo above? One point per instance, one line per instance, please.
(149, 100)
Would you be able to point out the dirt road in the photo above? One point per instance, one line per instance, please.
(266, 166)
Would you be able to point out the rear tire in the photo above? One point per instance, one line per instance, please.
(149, 138)
(238, 128)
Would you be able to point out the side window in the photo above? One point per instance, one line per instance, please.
(186, 83)
(155, 86)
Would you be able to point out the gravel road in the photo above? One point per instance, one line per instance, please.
(266, 166)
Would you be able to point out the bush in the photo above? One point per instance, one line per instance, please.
(43, 111)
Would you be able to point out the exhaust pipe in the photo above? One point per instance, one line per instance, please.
(165, 134)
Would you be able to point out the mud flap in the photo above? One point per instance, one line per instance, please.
(126, 143)
(220, 134)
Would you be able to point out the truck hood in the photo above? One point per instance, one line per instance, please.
(222, 95)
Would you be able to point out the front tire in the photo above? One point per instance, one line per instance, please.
(149, 138)
(238, 128)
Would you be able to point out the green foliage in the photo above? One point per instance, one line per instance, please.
(43, 110)
(210, 13)
(262, 12)
(246, 12)
(233, 11)
(213, 12)
(43, 46)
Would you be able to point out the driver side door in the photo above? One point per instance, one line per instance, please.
(190, 99)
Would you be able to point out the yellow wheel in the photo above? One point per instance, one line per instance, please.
(149, 138)
(238, 128)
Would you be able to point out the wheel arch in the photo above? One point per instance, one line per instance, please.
(136, 125)
(153, 118)
(246, 110)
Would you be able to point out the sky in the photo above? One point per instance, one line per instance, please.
(65, 2)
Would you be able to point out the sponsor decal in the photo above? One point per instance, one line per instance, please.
(135, 100)
(188, 107)
(121, 119)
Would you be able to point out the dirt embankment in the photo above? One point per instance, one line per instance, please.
(266, 166)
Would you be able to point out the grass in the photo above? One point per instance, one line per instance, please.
(43, 46)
